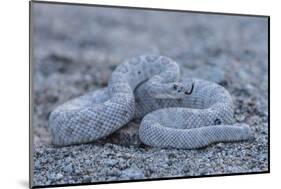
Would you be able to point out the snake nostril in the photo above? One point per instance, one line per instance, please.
(217, 121)
(191, 90)
(139, 72)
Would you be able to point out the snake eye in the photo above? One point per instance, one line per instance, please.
(175, 87)
(139, 72)
(217, 121)
(180, 89)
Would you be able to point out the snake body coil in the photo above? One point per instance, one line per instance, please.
(187, 115)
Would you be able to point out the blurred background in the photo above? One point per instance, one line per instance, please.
(75, 49)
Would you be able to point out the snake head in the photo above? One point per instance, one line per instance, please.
(180, 90)
(175, 90)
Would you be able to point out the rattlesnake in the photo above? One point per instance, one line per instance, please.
(189, 114)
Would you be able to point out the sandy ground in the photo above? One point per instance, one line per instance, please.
(75, 50)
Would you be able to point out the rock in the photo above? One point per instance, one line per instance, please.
(87, 179)
(68, 169)
(88, 162)
(54, 177)
(132, 173)
(111, 162)
(59, 176)
(114, 172)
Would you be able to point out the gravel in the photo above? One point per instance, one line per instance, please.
(75, 50)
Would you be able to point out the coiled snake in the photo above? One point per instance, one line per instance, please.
(187, 115)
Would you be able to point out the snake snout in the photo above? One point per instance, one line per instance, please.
(181, 90)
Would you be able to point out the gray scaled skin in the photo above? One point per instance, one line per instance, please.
(187, 115)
